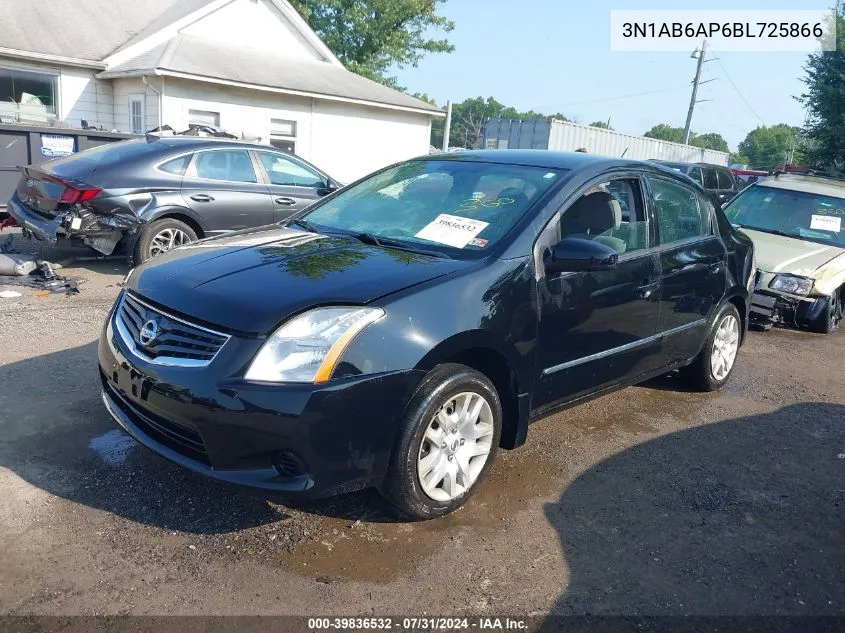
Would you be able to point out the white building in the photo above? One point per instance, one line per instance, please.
(251, 67)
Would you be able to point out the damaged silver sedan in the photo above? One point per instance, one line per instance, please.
(151, 195)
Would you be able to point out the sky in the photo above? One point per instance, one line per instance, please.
(554, 56)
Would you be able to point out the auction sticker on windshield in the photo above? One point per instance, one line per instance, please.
(826, 223)
(452, 230)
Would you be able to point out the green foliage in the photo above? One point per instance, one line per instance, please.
(665, 132)
(766, 147)
(825, 103)
(711, 140)
(469, 117)
(738, 157)
(604, 125)
(370, 36)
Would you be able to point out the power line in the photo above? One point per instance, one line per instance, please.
(628, 96)
(741, 96)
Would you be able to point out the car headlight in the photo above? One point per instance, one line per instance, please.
(793, 284)
(307, 348)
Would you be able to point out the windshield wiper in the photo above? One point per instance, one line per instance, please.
(369, 238)
(305, 224)
(773, 232)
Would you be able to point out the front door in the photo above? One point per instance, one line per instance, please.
(693, 267)
(293, 185)
(597, 328)
(223, 187)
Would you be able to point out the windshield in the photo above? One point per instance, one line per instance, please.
(805, 216)
(448, 205)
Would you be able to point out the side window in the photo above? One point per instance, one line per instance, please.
(695, 174)
(677, 212)
(229, 165)
(725, 179)
(177, 165)
(611, 213)
(710, 181)
(283, 171)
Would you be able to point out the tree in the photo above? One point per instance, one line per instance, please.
(825, 103)
(739, 158)
(711, 140)
(370, 36)
(604, 125)
(766, 147)
(665, 132)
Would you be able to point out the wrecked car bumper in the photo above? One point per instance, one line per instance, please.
(98, 231)
(769, 307)
(286, 440)
(40, 227)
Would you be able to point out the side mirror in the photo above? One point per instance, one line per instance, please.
(574, 254)
(329, 187)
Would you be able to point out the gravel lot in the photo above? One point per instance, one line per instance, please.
(653, 500)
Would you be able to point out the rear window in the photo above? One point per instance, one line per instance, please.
(103, 155)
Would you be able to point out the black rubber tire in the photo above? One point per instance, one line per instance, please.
(828, 320)
(401, 485)
(141, 252)
(699, 374)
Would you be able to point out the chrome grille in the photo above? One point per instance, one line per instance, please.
(162, 338)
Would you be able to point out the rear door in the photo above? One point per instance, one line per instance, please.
(293, 185)
(223, 186)
(710, 180)
(693, 266)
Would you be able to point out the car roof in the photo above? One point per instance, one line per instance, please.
(537, 158)
(809, 184)
(198, 142)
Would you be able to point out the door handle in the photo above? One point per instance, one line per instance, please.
(716, 268)
(285, 202)
(202, 197)
(647, 289)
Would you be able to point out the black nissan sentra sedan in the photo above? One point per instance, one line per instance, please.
(399, 331)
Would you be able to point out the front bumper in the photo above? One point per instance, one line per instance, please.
(323, 439)
(769, 307)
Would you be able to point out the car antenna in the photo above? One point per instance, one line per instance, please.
(623, 153)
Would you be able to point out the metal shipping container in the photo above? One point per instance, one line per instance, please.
(566, 136)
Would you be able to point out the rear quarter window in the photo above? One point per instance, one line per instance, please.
(176, 165)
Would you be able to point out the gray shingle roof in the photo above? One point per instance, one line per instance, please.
(85, 29)
(208, 58)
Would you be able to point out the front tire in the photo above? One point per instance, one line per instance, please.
(448, 440)
(160, 236)
(831, 315)
(714, 364)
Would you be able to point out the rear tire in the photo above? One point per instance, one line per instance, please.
(831, 315)
(160, 236)
(449, 436)
(714, 364)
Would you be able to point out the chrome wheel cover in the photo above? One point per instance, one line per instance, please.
(725, 346)
(455, 447)
(166, 239)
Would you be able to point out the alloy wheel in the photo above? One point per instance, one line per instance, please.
(455, 447)
(725, 346)
(166, 239)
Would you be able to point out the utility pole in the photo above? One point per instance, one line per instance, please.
(447, 127)
(695, 82)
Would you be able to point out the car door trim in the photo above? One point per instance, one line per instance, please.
(623, 348)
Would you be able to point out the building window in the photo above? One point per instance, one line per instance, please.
(26, 95)
(283, 135)
(136, 114)
(203, 117)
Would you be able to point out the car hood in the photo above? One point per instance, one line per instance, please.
(252, 280)
(779, 254)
